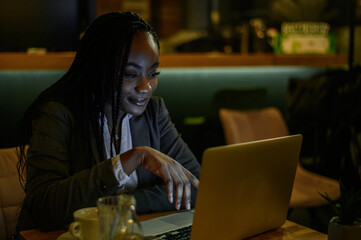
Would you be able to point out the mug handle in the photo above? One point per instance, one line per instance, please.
(75, 229)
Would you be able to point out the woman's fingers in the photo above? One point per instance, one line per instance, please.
(178, 180)
(189, 179)
(179, 193)
(187, 196)
(169, 183)
(182, 184)
(174, 184)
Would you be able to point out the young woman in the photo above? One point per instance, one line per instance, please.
(98, 131)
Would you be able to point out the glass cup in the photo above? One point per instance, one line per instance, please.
(85, 226)
(117, 218)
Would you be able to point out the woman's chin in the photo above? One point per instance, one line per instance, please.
(136, 110)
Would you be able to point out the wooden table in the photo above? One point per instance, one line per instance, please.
(288, 231)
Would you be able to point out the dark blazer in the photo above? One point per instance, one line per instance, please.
(60, 179)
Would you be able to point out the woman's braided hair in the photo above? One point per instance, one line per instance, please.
(97, 70)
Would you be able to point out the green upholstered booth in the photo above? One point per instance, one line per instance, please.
(188, 92)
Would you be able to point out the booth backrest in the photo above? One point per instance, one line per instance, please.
(18, 89)
(188, 92)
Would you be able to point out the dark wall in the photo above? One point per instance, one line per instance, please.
(51, 24)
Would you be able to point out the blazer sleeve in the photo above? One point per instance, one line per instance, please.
(53, 192)
(152, 198)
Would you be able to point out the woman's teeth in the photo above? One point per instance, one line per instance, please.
(140, 102)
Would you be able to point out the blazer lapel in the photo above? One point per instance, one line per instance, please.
(140, 137)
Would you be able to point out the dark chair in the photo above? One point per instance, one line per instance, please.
(11, 193)
(206, 131)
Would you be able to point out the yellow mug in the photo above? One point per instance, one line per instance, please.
(85, 226)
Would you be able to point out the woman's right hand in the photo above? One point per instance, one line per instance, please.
(173, 174)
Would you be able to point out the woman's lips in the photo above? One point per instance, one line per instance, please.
(139, 101)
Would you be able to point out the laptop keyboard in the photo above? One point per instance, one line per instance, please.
(178, 234)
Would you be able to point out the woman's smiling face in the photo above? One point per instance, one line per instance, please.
(140, 77)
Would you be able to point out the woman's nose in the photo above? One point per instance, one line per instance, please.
(143, 85)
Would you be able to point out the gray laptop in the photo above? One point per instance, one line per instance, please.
(244, 190)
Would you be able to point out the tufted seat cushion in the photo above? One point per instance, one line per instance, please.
(11, 192)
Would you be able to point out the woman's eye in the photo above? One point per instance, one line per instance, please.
(130, 75)
(154, 74)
